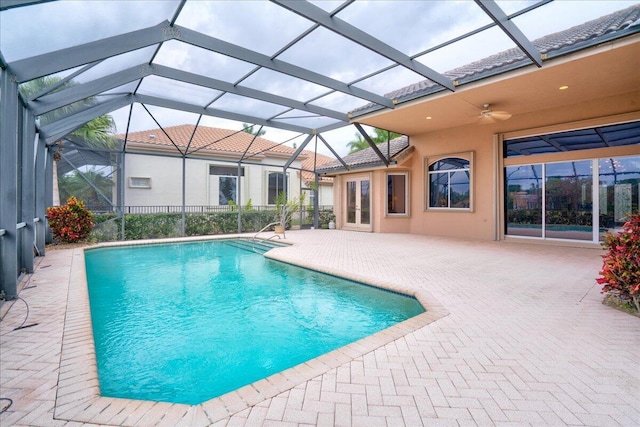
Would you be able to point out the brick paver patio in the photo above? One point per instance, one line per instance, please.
(515, 334)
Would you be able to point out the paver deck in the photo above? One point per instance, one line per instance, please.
(516, 335)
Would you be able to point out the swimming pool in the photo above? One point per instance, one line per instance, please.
(187, 322)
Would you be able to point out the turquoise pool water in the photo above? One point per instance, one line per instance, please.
(188, 322)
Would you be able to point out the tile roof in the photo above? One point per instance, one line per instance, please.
(368, 157)
(308, 165)
(556, 44)
(208, 140)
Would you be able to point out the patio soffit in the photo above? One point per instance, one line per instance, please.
(605, 71)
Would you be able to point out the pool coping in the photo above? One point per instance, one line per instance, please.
(78, 393)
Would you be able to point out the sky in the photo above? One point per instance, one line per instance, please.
(409, 26)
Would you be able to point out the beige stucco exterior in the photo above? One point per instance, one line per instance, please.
(603, 89)
(165, 174)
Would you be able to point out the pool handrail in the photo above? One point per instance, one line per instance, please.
(264, 228)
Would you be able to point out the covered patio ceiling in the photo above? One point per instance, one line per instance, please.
(295, 66)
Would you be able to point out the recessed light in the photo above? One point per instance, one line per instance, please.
(428, 117)
(563, 87)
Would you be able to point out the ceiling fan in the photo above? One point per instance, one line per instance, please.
(487, 115)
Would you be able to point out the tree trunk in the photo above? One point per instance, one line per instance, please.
(56, 190)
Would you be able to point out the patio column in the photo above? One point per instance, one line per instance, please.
(48, 188)
(27, 190)
(40, 197)
(9, 183)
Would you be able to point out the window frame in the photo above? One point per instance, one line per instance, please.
(428, 162)
(142, 186)
(267, 188)
(235, 178)
(407, 209)
(226, 172)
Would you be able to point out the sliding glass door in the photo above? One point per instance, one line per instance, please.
(568, 200)
(575, 200)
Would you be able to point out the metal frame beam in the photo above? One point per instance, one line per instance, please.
(56, 130)
(183, 106)
(46, 90)
(64, 59)
(554, 144)
(77, 93)
(219, 46)
(502, 20)
(9, 183)
(10, 4)
(334, 152)
(40, 202)
(196, 79)
(83, 91)
(338, 26)
(372, 144)
(295, 155)
(27, 189)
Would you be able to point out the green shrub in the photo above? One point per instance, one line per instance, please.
(153, 226)
(324, 216)
(70, 223)
(620, 272)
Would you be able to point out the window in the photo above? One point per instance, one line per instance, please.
(225, 170)
(397, 194)
(277, 182)
(449, 184)
(227, 187)
(139, 182)
(224, 184)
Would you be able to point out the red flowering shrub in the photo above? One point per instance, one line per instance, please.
(620, 272)
(70, 223)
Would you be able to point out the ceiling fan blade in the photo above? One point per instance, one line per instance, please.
(486, 118)
(500, 115)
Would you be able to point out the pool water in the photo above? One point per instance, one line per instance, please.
(188, 322)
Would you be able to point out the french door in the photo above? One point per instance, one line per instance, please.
(358, 203)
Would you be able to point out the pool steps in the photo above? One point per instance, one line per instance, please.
(255, 245)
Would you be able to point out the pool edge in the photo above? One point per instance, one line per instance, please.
(78, 395)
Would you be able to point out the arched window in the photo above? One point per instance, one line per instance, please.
(449, 184)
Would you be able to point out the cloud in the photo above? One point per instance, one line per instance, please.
(41, 28)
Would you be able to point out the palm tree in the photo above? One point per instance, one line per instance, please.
(96, 133)
(380, 136)
(249, 129)
(90, 186)
(358, 144)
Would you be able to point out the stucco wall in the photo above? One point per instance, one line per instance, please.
(475, 223)
(166, 181)
(483, 221)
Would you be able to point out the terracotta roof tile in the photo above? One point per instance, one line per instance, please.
(308, 164)
(575, 37)
(368, 157)
(209, 139)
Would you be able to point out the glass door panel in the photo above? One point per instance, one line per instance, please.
(568, 200)
(358, 203)
(524, 200)
(351, 202)
(365, 211)
(619, 191)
